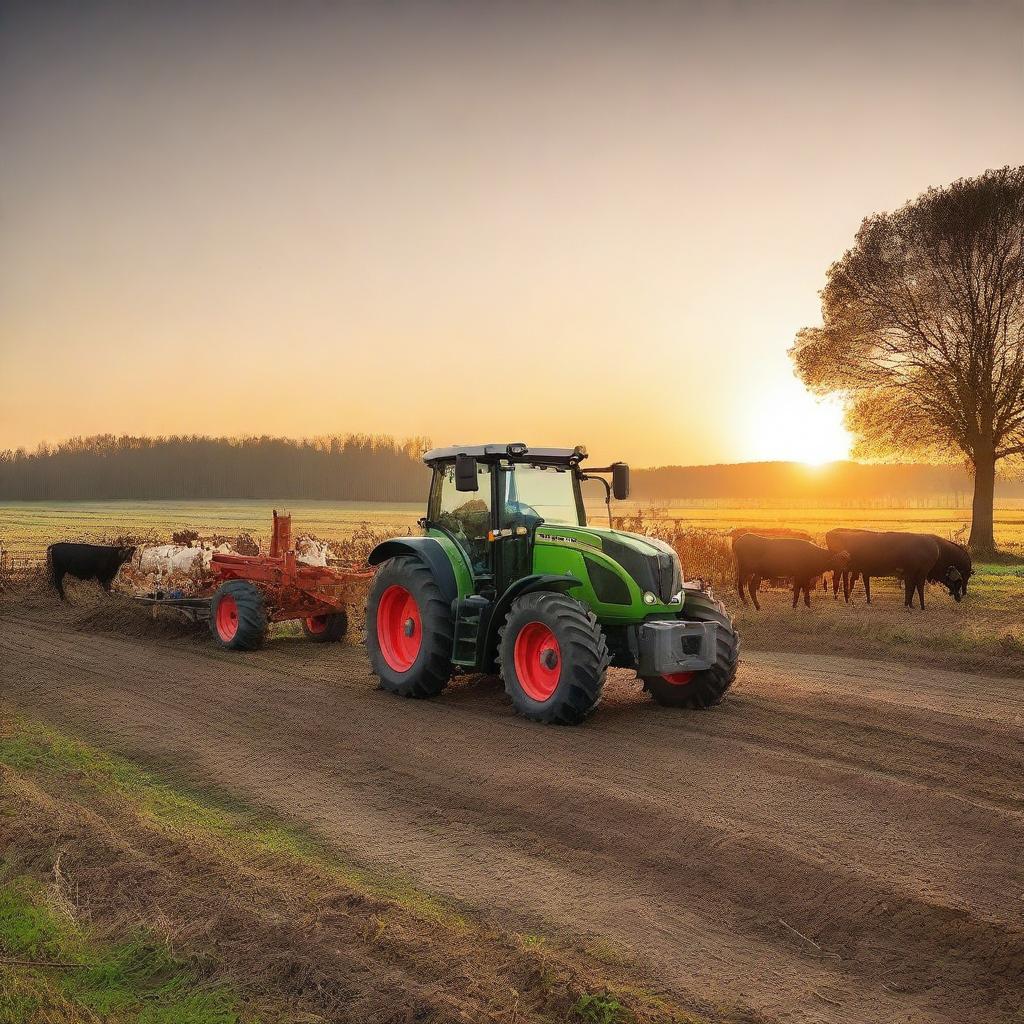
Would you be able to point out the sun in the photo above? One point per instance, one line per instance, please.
(793, 426)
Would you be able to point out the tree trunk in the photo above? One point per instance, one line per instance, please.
(982, 540)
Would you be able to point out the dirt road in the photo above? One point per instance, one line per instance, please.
(842, 840)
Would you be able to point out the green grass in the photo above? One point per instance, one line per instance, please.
(35, 748)
(138, 980)
(599, 1008)
(134, 980)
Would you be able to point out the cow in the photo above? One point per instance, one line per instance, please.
(910, 556)
(798, 560)
(953, 567)
(835, 540)
(98, 562)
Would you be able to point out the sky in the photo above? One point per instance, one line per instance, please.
(559, 223)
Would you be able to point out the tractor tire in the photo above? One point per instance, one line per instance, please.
(238, 616)
(409, 629)
(326, 629)
(701, 689)
(553, 657)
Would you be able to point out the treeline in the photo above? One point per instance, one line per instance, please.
(354, 467)
(359, 467)
(794, 481)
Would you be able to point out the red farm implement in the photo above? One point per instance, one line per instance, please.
(243, 594)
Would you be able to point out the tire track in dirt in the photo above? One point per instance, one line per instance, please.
(875, 811)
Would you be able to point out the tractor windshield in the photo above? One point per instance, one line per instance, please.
(540, 492)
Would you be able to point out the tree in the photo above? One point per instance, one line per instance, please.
(923, 333)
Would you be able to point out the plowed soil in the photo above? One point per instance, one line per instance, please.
(841, 840)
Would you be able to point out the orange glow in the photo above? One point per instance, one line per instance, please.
(554, 223)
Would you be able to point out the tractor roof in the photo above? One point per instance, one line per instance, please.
(516, 452)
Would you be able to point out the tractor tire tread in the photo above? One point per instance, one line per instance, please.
(584, 651)
(431, 672)
(252, 616)
(337, 627)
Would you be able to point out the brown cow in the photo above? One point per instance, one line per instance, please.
(768, 557)
(909, 556)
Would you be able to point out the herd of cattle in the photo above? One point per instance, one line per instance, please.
(915, 558)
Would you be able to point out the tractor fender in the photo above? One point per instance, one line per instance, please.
(430, 552)
(527, 585)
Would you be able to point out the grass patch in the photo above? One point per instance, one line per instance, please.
(599, 1008)
(984, 633)
(33, 747)
(135, 980)
(139, 980)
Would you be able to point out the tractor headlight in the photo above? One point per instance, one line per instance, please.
(650, 598)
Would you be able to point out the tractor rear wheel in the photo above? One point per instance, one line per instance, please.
(409, 629)
(325, 629)
(553, 658)
(707, 688)
(238, 616)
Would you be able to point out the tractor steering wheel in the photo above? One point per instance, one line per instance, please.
(520, 510)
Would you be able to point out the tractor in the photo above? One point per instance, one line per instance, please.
(510, 578)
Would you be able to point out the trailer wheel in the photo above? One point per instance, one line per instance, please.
(707, 688)
(326, 629)
(238, 616)
(408, 629)
(554, 658)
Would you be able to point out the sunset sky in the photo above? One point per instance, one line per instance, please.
(560, 223)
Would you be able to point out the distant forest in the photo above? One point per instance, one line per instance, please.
(793, 481)
(358, 467)
(354, 467)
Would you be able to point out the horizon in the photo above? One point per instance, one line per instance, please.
(239, 219)
(42, 447)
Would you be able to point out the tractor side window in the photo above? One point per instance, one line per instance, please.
(467, 514)
(533, 493)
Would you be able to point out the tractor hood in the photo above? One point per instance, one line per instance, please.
(653, 564)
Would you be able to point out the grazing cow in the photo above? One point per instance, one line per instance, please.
(798, 560)
(85, 562)
(953, 567)
(909, 556)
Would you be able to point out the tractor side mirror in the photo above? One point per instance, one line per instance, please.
(620, 481)
(465, 473)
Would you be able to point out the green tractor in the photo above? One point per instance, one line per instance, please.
(510, 578)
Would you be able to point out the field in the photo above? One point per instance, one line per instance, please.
(27, 527)
(213, 838)
(198, 837)
(986, 632)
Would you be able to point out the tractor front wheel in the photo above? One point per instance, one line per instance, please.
(238, 616)
(409, 629)
(325, 629)
(553, 658)
(702, 689)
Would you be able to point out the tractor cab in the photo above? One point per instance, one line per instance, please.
(510, 576)
(490, 500)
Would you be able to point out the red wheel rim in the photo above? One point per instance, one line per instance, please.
(399, 630)
(679, 678)
(538, 661)
(227, 618)
(316, 623)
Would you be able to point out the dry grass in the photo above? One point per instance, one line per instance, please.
(984, 633)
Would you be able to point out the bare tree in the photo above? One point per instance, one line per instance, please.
(923, 333)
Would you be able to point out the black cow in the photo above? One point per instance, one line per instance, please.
(85, 562)
(782, 557)
(953, 567)
(835, 540)
(910, 556)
